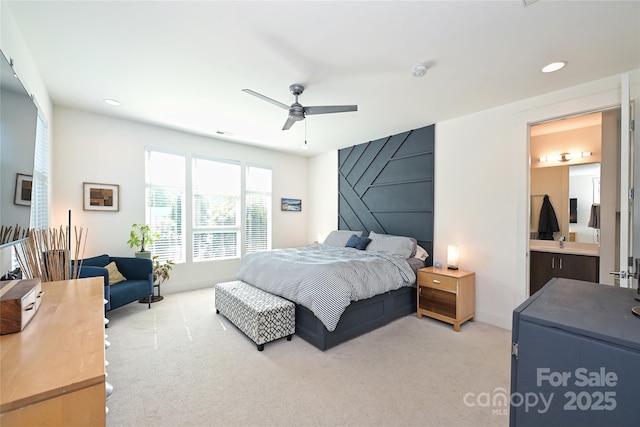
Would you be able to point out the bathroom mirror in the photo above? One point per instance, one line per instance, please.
(584, 188)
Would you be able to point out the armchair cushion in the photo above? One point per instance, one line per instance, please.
(137, 271)
(114, 275)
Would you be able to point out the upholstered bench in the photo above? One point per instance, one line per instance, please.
(262, 316)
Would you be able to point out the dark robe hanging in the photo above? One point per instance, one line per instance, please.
(594, 219)
(548, 223)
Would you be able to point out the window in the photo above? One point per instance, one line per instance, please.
(228, 213)
(165, 190)
(40, 190)
(216, 209)
(258, 209)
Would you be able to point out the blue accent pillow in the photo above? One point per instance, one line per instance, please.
(358, 242)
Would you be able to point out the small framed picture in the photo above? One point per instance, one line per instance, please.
(24, 184)
(101, 197)
(293, 205)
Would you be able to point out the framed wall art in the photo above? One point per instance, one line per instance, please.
(292, 205)
(101, 197)
(24, 184)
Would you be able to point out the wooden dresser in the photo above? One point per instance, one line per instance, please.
(53, 372)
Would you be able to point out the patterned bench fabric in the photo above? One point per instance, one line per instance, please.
(262, 316)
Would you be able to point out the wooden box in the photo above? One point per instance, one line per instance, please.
(19, 302)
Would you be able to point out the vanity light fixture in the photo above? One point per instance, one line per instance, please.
(113, 102)
(453, 257)
(554, 66)
(565, 157)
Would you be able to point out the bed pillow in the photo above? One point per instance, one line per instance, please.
(400, 246)
(340, 237)
(358, 242)
(421, 253)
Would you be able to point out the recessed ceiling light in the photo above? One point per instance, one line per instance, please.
(225, 133)
(112, 102)
(554, 66)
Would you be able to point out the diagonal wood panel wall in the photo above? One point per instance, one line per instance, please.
(387, 185)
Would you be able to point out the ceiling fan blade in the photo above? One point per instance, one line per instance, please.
(290, 121)
(266, 98)
(325, 109)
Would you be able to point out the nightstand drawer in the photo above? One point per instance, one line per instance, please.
(437, 301)
(437, 281)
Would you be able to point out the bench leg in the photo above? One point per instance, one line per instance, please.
(217, 311)
(289, 337)
(260, 347)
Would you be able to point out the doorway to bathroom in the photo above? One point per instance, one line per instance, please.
(575, 163)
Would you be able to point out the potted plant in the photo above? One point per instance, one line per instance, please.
(161, 272)
(141, 235)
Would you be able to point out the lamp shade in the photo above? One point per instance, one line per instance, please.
(453, 257)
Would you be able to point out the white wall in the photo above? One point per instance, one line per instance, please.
(14, 47)
(482, 190)
(107, 150)
(323, 190)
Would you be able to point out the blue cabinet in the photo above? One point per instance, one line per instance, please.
(576, 357)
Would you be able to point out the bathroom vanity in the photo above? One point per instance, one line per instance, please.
(569, 260)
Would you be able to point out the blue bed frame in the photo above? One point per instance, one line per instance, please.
(359, 318)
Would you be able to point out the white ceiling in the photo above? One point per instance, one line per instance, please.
(182, 64)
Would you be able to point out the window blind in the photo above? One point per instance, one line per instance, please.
(216, 209)
(258, 209)
(165, 192)
(40, 188)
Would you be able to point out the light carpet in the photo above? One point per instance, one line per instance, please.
(181, 364)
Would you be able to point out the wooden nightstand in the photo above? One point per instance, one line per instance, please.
(447, 295)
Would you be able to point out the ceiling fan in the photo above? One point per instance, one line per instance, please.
(296, 111)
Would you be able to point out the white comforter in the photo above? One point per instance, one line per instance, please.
(325, 278)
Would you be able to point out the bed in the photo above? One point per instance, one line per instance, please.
(344, 287)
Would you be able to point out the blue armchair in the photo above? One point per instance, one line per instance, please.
(137, 271)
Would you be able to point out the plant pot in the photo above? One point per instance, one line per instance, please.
(145, 254)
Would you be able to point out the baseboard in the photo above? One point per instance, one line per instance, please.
(504, 322)
(172, 288)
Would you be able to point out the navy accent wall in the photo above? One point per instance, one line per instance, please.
(387, 186)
